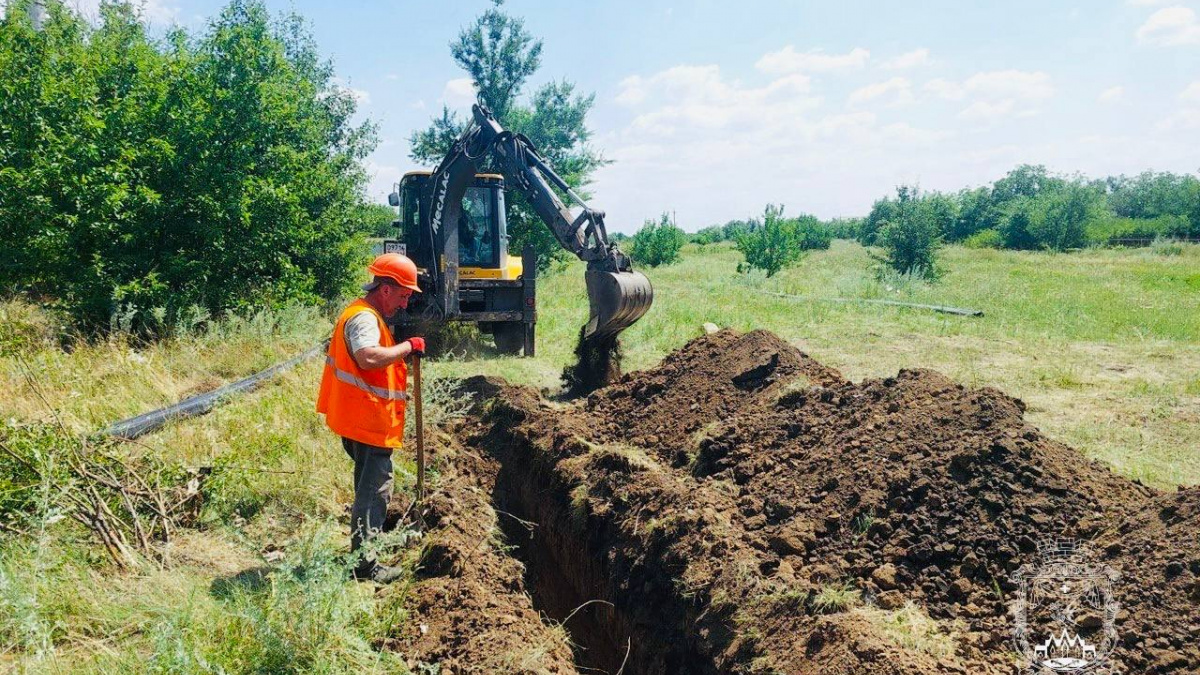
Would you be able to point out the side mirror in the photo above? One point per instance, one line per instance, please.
(393, 199)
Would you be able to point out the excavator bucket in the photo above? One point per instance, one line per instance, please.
(617, 300)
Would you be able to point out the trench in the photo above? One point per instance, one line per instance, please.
(574, 560)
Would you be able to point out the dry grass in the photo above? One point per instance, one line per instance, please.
(911, 628)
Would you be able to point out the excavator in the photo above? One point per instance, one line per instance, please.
(452, 224)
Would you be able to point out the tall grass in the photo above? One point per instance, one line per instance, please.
(261, 585)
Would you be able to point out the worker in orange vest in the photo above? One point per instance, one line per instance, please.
(363, 392)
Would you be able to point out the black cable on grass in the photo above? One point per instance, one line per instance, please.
(895, 303)
(200, 404)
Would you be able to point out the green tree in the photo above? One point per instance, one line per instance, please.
(1020, 218)
(657, 243)
(1027, 180)
(771, 247)
(221, 171)
(976, 213)
(1063, 218)
(883, 210)
(912, 237)
(812, 234)
(500, 55)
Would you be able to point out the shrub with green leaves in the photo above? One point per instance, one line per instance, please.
(984, 239)
(912, 237)
(1064, 217)
(812, 234)
(657, 243)
(772, 246)
(220, 170)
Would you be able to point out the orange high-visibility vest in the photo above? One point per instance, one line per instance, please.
(363, 405)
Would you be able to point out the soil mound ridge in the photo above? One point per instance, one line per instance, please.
(744, 509)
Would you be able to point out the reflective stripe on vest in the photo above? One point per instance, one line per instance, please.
(356, 381)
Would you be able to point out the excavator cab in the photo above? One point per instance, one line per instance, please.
(491, 288)
(482, 228)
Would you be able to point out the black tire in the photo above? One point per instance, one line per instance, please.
(509, 337)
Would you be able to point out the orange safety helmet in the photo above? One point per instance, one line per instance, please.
(396, 267)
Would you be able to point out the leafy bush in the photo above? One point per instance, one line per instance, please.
(727, 232)
(1064, 215)
(845, 228)
(882, 211)
(1107, 228)
(1018, 217)
(657, 243)
(1167, 247)
(222, 170)
(812, 234)
(984, 239)
(773, 246)
(911, 238)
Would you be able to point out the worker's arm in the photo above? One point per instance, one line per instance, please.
(373, 358)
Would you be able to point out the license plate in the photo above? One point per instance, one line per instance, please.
(393, 246)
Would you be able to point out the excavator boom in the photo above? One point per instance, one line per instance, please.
(617, 295)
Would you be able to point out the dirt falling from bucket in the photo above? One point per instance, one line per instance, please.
(597, 364)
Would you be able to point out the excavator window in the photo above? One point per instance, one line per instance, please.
(477, 229)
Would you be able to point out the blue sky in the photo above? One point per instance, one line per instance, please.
(713, 109)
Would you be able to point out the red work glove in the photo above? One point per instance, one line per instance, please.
(417, 344)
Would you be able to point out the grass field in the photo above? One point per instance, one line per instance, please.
(1103, 345)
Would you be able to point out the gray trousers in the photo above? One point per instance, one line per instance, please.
(372, 492)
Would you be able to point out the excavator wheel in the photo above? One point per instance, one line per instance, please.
(509, 337)
(617, 300)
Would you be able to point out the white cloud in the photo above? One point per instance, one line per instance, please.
(988, 111)
(943, 88)
(1010, 84)
(158, 12)
(361, 96)
(391, 77)
(459, 92)
(1191, 93)
(1111, 95)
(1170, 27)
(788, 60)
(917, 57)
(995, 94)
(709, 145)
(894, 92)
(1183, 120)
(700, 96)
(1146, 3)
(382, 178)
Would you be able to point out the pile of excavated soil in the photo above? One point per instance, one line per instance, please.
(745, 509)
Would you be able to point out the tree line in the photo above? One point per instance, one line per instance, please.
(198, 172)
(1031, 208)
